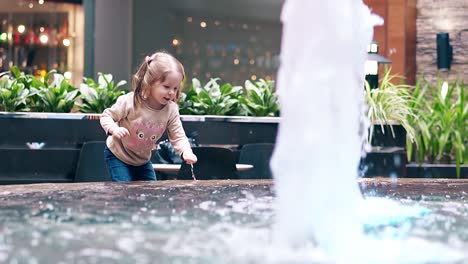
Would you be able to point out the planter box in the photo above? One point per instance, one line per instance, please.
(21, 166)
(384, 162)
(55, 130)
(388, 156)
(385, 138)
(71, 130)
(61, 135)
(232, 130)
(64, 134)
(435, 171)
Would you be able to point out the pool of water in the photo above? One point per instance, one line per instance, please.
(194, 222)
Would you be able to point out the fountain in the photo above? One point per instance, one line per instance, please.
(315, 163)
(205, 222)
(318, 216)
(323, 73)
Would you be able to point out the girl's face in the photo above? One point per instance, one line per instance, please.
(161, 93)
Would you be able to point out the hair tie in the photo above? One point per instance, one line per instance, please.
(148, 59)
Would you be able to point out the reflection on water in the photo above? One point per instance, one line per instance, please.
(192, 222)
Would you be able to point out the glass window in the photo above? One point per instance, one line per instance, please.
(233, 49)
(38, 36)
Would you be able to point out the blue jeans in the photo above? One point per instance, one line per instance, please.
(122, 172)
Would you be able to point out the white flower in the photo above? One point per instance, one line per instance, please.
(444, 90)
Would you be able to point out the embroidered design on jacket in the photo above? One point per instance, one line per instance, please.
(143, 137)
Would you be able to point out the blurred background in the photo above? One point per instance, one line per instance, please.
(233, 40)
(80, 38)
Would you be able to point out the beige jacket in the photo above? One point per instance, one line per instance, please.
(146, 126)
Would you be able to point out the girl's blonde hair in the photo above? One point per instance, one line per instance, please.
(155, 68)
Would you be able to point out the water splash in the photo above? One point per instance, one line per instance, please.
(319, 143)
(193, 173)
(321, 82)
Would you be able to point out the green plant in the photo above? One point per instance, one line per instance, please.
(211, 99)
(389, 102)
(53, 94)
(26, 79)
(440, 120)
(97, 96)
(13, 94)
(260, 99)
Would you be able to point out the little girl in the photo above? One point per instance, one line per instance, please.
(138, 119)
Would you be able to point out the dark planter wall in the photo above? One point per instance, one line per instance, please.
(384, 138)
(436, 171)
(236, 133)
(389, 162)
(388, 156)
(54, 132)
(37, 166)
(64, 135)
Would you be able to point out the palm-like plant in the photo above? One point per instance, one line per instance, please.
(261, 98)
(97, 96)
(389, 102)
(211, 99)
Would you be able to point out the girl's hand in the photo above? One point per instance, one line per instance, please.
(189, 158)
(120, 132)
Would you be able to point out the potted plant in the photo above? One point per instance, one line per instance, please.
(55, 96)
(97, 96)
(13, 94)
(387, 110)
(260, 98)
(47, 137)
(211, 99)
(56, 135)
(389, 104)
(216, 111)
(440, 121)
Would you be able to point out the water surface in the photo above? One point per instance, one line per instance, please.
(193, 222)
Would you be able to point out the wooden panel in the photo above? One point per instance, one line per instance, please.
(397, 37)
(410, 66)
(379, 7)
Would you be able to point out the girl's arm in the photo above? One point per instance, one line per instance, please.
(179, 140)
(111, 116)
